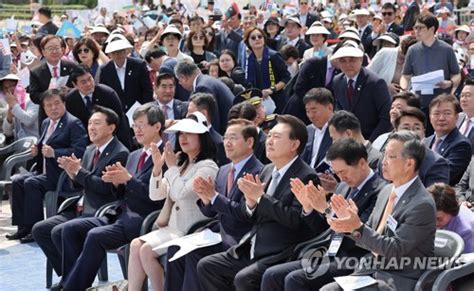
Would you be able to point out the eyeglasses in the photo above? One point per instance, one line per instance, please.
(231, 138)
(255, 37)
(419, 27)
(84, 50)
(53, 48)
(198, 37)
(387, 13)
(139, 126)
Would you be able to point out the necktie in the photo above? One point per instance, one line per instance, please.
(353, 192)
(350, 91)
(88, 102)
(274, 183)
(50, 131)
(388, 210)
(96, 158)
(230, 180)
(55, 72)
(141, 161)
(435, 146)
(466, 126)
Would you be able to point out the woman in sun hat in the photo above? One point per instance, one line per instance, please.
(194, 159)
(318, 36)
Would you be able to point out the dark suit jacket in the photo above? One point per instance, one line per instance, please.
(371, 102)
(221, 158)
(104, 96)
(69, 137)
(278, 223)
(307, 154)
(374, 156)
(395, 28)
(233, 225)
(167, 66)
(137, 82)
(40, 76)
(180, 109)
(366, 39)
(457, 150)
(415, 213)
(48, 28)
(462, 118)
(134, 201)
(95, 191)
(301, 46)
(231, 42)
(224, 98)
(410, 16)
(433, 169)
(259, 148)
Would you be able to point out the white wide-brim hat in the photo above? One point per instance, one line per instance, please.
(188, 125)
(100, 28)
(317, 28)
(171, 29)
(348, 51)
(12, 77)
(117, 45)
(350, 35)
(363, 12)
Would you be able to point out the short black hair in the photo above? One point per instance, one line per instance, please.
(153, 113)
(298, 129)
(205, 101)
(410, 98)
(319, 95)
(445, 198)
(343, 120)
(469, 82)
(348, 150)
(50, 93)
(155, 53)
(243, 110)
(429, 20)
(389, 5)
(78, 71)
(411, 112)
(45, 10)
(164, 76)
(110, 116)
(446, 98)
(249, 130)
(289, 51)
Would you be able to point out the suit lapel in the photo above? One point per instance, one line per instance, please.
(378, 211)
(344, 100)
(59, 128)
(104, 157)
(291, 172)
(115, 77)
(309, 147)
(128, 74)
(406, 197)
(325, 143)
(361, 79)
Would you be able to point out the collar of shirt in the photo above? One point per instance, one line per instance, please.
(293, 42)
(400, 190)
(319, 130)
(102, 148)
(362, 29)
(439, 137)
(285, 168)
(239, 166)
(369, 176)
(169, 104)
(353, 78)
(50, 67)
(329, 63)
(195, 81)
(84, 96)
(123, 67)
(390, 24)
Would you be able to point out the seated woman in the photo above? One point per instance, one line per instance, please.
(88, 52)
(196, 45)
(228, 68)
(21, 118)
(451, 216)
(318, 35)
(180, 210)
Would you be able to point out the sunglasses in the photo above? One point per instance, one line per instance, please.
(210, 33)
(255, 37)
(303, 3)
(85, 50)
(198, 37)
(387, 13)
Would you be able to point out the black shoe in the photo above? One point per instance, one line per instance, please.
(27, 239)
(21, 233)
(57, 287)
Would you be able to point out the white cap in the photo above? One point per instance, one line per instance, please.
(464, 28)
(99, 28)
(326, 14)
(378, 16)
(116, 43)
(349, 34)
(171, 29)
(348, 51)
(293, 19)
(317, 28)
(342, 17)
(190, 125)
(362, 11)
(12, 77)
(326, 19)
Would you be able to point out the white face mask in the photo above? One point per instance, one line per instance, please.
(27, 57)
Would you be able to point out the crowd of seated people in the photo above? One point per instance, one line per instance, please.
(282, 128)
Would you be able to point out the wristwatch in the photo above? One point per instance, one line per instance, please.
(274, 89)
(357, 233)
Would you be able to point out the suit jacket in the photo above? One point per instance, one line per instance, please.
(278, 223)
(40, 77)
(366, 39)
(232, 224)
(134, 201)
(301, 46)
(310, 18)
(224, 99)
(373, 156)
(462, 118)
(371, 102)
(68, 138)
(457, 150)
(104, 96)
(231, 42)
(95, 191)
(307, 154)
(137, 85)
(180, 109)
(259, 148)
(395, 28)
(216, 138)
(466, 185)
(433, 169)
(415, 213)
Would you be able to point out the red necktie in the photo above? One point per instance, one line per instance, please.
(230, 180)
(350, 91)
(141, 161)
(55, 72)
(96, 158)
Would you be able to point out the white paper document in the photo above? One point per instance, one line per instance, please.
(354, 282)
(59, 82)
(427, 82)
(130, 112)
(191, 242)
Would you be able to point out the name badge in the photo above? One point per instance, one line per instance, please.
(392, 223)
(335, 244)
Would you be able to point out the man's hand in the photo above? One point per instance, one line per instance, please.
(70, 164)
(116, 174)
(204, 188)
(328, 182)
(341, 206)
(317, 197)
(445, 84)
(11, 99)
(47, 151)
(347, 224)
(300, 192)
(252, 188)
(34, 150)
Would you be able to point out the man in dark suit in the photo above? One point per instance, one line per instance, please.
(191, 79)
(314, 73)
(365, 29)
(61, 135)
(45, 75)
(402, 226)
(361, 92)
(85, 240)
(361, 185)
(222, 198)
(434, 168)
(293, 29)
(105, 150)
(204, 104)
(306, 18)
(48, 27)
(466, 117)
(87, 94)
(127, 76)
(319, 105)
(388, 15)
(274, 209)
(410, 16)
(230, 36)
(447, 140)
(173, 109)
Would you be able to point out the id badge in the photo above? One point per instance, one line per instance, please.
(335, 244)
(392, 223)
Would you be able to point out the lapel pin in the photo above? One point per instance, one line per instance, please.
(129, 73)
(403, 201)
(106, 154)
(60, 125)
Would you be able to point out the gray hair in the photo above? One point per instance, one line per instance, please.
(185, 68)
(413, 148)
(153, 114)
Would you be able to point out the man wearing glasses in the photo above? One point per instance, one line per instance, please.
(388, 15)
(428, 55)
